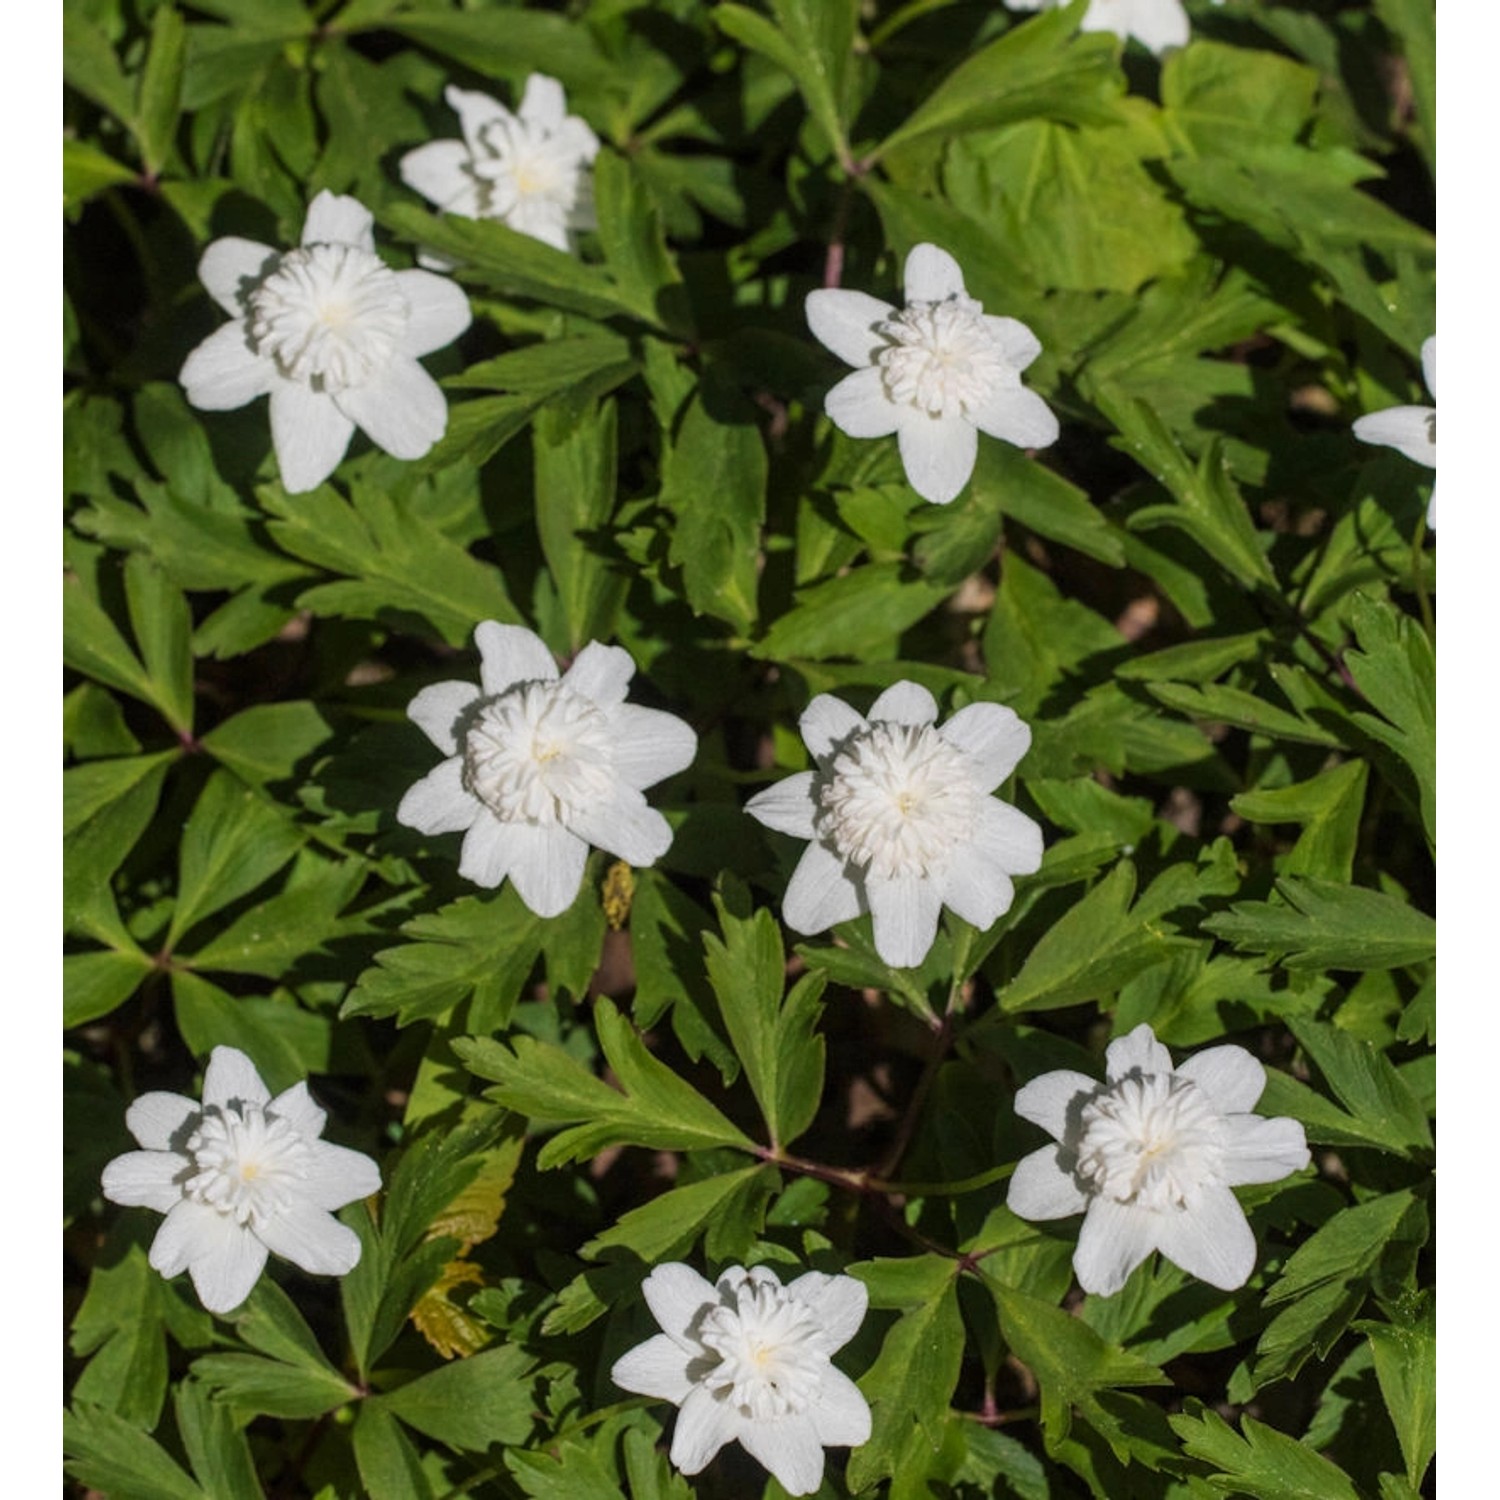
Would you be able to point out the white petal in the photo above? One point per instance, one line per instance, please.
(440, 803)
(860, 408)
(649, 744)
(187, 1228)
(224, 372)
(820, 894)
(904, 703)
(574, 138)
(1139, 1050)
(601, 674)
(437, 172)
(845, 323)
(155, 1118)
(1429, 364)
(905, 911)
(224, 1259)
(624, 825)
(787, 806)
(826, 722)
(839, 1303)
(546, 866)
(1017, 342)
(437, 709)
(439, 310)
(1114, 1240)
(1007, 836)
(788, 1447)
(938, 454)
(231, 1076)
(931, 274)
(1231, 1078)
(1051, 1098)
(401, 407)
(676, 1294)
(656, 1368)
(309, 434)
(1210, 1239)
(300, 1110)
(1040, 1188)
(994, 736)
(336, 1176)
(474, 111)
(704, 1425)
(1159, 25)
(543, 102)
(977, 887)
(841, 1415)
(1257, 1150)
(1017, 416)
(490, 848)
(145, 1179)
(231, 267)
(334, 219)
(311, 1238)
(509, 654)
(542, 219)
(1432, 508)
(1407, 429)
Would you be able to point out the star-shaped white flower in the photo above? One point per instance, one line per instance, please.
(1157, 24)
(747, 1361)
(1411, 430)
(937, 373)
(1149, 1158)
(332, 335)
(540, 766)
(530, 170)
(237, 1176)
(900, 820)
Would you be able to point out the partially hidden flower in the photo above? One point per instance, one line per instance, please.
(1157, 24)
(1411, 430)
(747, 1360)
(541, 765)
(239, 1175)
(530, 170)
(1149, 1158)
(899, 818)
(936, 372)
(332, 335)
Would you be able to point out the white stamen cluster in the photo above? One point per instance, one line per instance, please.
(897, 801)
(538, 752)
(245, 1162)
(522, 162)
(329, 315)
(771, 1353)
(1151, 1139)
(941, 358)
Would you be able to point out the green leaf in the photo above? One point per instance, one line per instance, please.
(268, 1320)
(264, 1030)
(256, 1385)
(161, 88)
(92, 645)
(109, 1454)
(163, 628)
(390, 1468)
(507, 43)
(635, 249)
(669, 1225)
(653, 1106)
(217, 1447)
(91, 67)
(267, 740)
(1414, 24)
(121, 1323)
(1262, 1462)
(1221, 97)
(855, 615)
(1194, 661)
(1366, 1083)
(95, 983)
(1324, 924)
(1219, 704)
(549, 368)
(271, 938)
(471, 1403)
(1328, 807)
(86, 171)
(1406, 1367)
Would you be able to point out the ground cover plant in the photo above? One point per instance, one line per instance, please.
(749, 716)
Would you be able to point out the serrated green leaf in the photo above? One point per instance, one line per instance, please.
(87, 170)
(161, 87)
(1328, 807)
(1260, 1461)
(115, 1457)
(91, 67)
(471, 1403)
(390, 1468)
(95, 983)
(216, 1444)
(1367, 1085)
(851, 615)
(163, 628)
(634, 247)
(268, 1320)
(269, 1387)
(267, 740)
(1406, 1367)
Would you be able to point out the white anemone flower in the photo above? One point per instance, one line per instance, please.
(540, 766)
(1157, 24)
(237, 1176)
(900, 820)
(1411, 430)
(332, 334)
(747, 1361)
(530, 169)
(937, 373)
(1149, 1158)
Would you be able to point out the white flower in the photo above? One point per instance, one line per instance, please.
(900, 818)
(332, 335)
(1157, 24)
(1149, 1158)
(1411, 430)
(239, 1175)
(747, 1360)
(530, 170)
(540, 766)
(937, 373)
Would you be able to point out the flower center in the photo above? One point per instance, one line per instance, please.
(245, 1162)
(897, 800)
(538, 753)
(329, 315)
(523, 163)
(1151, 1139)
(942, 357)
(771, 1354)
